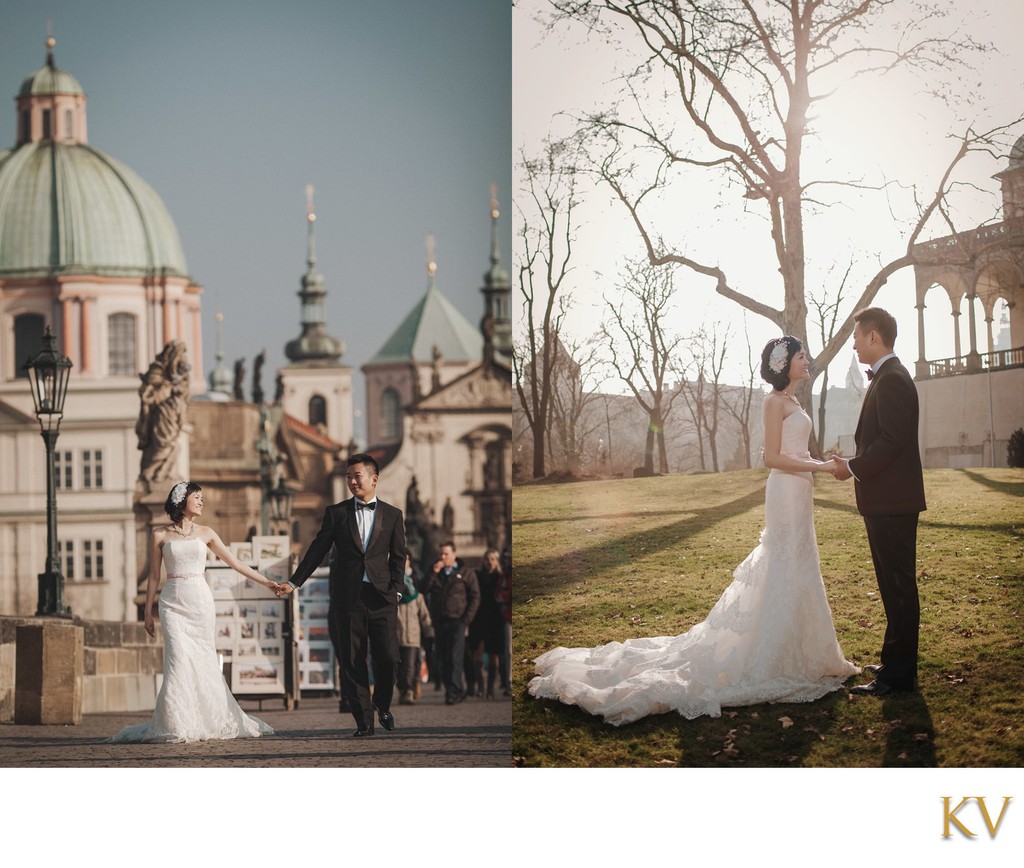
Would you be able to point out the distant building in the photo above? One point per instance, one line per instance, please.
(972, 403)
(439, 401)
(87, 248)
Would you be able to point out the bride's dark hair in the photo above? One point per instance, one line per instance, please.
(174, 506)
(775, 365)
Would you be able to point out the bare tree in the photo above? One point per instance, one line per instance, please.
(826, 308)
(738, 402)
(643, 350)
(743, 77)
(701, 387)
(546, 237)
(572, 396)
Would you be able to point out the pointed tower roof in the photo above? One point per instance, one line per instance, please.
(497, 289)
(314, 347)
(434, 321)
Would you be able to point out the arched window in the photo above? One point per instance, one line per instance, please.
(317, 410)
(47, 123)
(121, 345)
(390, 414)
(28, 340)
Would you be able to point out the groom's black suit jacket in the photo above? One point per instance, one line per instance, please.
(383, 561)
(887, 469)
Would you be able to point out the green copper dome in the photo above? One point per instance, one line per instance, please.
(70, 207)
(67, 207)
(49, 80)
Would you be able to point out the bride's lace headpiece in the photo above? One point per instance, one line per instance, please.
(779, 356)
(178, 493)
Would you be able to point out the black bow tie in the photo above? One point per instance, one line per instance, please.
(361, 505)
(871, 374)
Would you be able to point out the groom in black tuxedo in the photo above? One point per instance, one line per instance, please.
(890, 495)
(366, 582)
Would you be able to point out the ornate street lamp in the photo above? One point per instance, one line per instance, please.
(281, 503)
(48, 373)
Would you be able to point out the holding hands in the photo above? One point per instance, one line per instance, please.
(840, 468)
(283, 589)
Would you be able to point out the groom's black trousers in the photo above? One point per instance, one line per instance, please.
(367, 624)
(893, 541)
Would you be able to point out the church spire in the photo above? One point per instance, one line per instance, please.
(314, 346)
(431, 263)
(220, 376)
(497, 321)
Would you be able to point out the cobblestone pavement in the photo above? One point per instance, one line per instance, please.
(475, 733)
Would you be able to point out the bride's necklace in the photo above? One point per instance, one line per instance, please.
(792, 398)
(180, 532)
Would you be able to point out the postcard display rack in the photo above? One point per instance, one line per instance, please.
(253, 627)
(316, 653)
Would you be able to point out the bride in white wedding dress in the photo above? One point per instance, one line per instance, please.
(194, 703)
(770, 636)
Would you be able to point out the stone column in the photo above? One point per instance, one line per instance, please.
(66, 339)
(973, 357)
(86, 337)
(167, 320)
(49, 666)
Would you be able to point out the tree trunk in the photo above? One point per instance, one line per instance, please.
(649, 450)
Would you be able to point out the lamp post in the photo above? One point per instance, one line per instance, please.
(48, 374)
(281, 503)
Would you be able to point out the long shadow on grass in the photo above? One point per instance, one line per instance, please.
(1008, 528)
(621, 550)
(547, 519)
(1015, 489)
(910, 736)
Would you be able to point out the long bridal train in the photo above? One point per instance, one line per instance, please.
(769, 638)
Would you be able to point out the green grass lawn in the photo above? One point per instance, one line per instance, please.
(609, 560)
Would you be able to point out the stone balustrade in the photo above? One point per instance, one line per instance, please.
(121, 665)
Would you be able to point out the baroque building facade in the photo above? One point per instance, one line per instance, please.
(87, 248)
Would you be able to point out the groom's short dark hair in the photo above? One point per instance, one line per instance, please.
(363, 458)
(879, 320)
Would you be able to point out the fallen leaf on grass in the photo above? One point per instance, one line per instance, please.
(665, 763)
(922, 736)
(786, 722)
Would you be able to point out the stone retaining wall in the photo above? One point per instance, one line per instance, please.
(122, 666)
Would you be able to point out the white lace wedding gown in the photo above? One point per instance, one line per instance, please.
(769, 638)
(194, 703)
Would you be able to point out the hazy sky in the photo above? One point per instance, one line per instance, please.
(872, 129)
(398, 112)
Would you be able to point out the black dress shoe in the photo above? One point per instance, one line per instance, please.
(874, 688)
(872, 667)
(387, 720)
(881, 688)
(359, 733)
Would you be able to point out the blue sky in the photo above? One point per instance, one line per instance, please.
(398, 112)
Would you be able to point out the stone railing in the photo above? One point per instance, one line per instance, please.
(120, 671)
(964, 245)
(972, 364)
